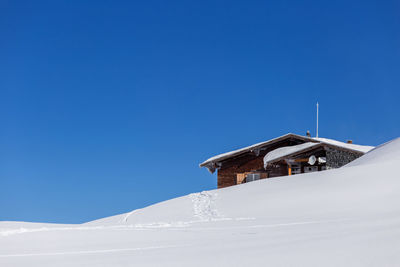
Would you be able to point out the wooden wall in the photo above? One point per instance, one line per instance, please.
(227, 176)
(249, 162)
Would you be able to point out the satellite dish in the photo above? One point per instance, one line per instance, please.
(312, 160)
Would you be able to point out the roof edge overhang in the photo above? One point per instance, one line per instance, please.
(213, 162)
(317, 146)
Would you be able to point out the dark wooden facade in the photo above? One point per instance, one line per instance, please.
(250, 162)
(234, 168)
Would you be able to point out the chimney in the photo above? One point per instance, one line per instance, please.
(308, 134)
(349, 141)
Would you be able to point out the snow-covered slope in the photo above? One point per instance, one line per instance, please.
(388, 152)
(344, 217)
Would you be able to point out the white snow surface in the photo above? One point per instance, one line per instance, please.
(344, 217)
(286, 150)
(388, 152)
(360, 148)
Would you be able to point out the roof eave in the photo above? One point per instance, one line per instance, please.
(315, 147)
(254, 147)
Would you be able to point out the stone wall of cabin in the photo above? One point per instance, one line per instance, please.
(227, 176)
(338, 158)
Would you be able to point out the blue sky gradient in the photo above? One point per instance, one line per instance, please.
(110, 106)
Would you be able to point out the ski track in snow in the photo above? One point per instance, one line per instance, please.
(85, 251)
(125, 219)
(204, 206)
(204, 209)
(22, 230)
(5, 233)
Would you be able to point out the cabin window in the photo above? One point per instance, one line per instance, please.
(296, 168)
(252, 177)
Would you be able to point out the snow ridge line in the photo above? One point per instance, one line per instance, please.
(204, 206)
(23, 230)
(85, 251)
(125, 219)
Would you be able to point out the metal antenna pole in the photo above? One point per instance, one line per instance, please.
(317, 117)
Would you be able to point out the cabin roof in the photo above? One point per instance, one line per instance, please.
(354, 147)
(285, 151)
(211, 162)
(251, 148)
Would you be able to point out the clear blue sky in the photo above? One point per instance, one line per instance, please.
(109, 106)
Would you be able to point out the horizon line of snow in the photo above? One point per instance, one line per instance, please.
(87, 251)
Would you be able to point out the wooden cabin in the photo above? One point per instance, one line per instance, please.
(289, 154)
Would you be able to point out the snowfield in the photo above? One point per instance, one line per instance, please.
(344, 217)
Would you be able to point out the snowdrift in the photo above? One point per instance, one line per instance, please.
(387, 152)
(339, 191)
(344, 217)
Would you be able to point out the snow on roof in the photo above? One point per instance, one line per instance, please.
(248, 148)
(285, 151)
(288, 150)
(359, 148)
(220, 157)
(231, 153)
